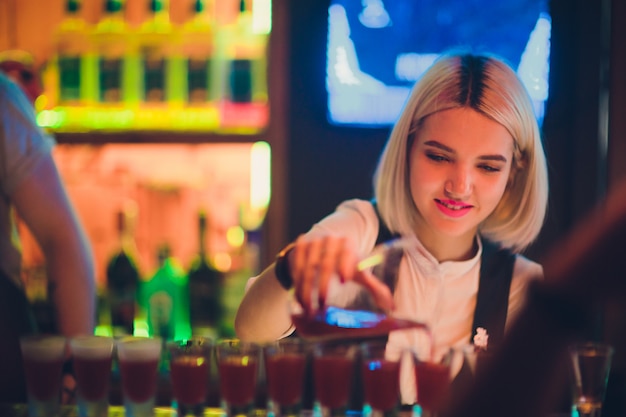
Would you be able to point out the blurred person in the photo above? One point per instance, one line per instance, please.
(463, 172)
(32, 190)
(20, 67)
(584, 271)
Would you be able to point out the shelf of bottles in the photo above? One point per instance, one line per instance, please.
(156, 289)
(208, 74)
(174, 301)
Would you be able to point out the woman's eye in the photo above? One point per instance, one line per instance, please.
(489, 168)
(436, 157)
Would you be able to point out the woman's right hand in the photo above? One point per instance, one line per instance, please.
(315, 261)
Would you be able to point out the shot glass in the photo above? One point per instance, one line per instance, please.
(190, 374)
(591, 363)
(92, 359)
(433, 380)
(380, 372)
(333, 372)
(285, 366)
(238, 366)
(43, 364)
(138, 359)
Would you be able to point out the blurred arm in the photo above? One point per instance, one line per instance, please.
(41, 201)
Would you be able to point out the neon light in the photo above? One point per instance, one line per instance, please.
(103, 330)
(262, 16)
(235, 236)
(260, 175)
(222, 262)
(140, 326)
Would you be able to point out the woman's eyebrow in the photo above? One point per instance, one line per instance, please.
(495, 157)
(439, 145)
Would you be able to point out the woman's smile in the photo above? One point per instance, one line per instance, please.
(453, 208)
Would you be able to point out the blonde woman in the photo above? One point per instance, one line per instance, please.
(464, 173)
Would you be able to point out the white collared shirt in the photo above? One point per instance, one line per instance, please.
(441, 294)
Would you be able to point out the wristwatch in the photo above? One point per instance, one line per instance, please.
(281, 267)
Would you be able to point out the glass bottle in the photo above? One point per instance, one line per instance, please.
(198, 48)
(246, 74)
(116, 57)
(205, 288)
(123, 276)
(165, 297)
(159, 70)
(74, 61)
(243, 69)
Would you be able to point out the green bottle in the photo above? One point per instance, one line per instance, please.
(165, 297)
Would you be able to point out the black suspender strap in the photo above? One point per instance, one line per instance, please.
(492, 300)
(492, 303)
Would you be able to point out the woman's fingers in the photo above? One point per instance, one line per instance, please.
(346, 262)
(327, 266)
(302, 272)
(315, 262)
(313, 265)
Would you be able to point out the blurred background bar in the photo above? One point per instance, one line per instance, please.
(235, 111)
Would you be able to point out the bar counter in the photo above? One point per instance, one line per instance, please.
(21, 410)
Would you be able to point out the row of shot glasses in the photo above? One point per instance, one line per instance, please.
(286, 364)
(283, 364)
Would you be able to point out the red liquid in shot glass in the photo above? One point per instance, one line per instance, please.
(139, 379)
(433, 382)
(285, 377)
(92, 377)
(43, 378)
(189, 379)
(333, 379)
(381, 384)
(238, 379)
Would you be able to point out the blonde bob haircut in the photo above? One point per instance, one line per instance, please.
(488, 85)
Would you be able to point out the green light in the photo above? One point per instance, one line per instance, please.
(119, 118)
(52, 119)
(103, 331)
(140, 327)
(75, 119)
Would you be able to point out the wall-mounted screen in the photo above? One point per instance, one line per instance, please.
(377, 49)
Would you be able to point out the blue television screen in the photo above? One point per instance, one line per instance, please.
(377, 49)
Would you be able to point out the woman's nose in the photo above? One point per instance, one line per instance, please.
(459, 184)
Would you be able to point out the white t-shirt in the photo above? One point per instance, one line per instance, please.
(22, 146)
